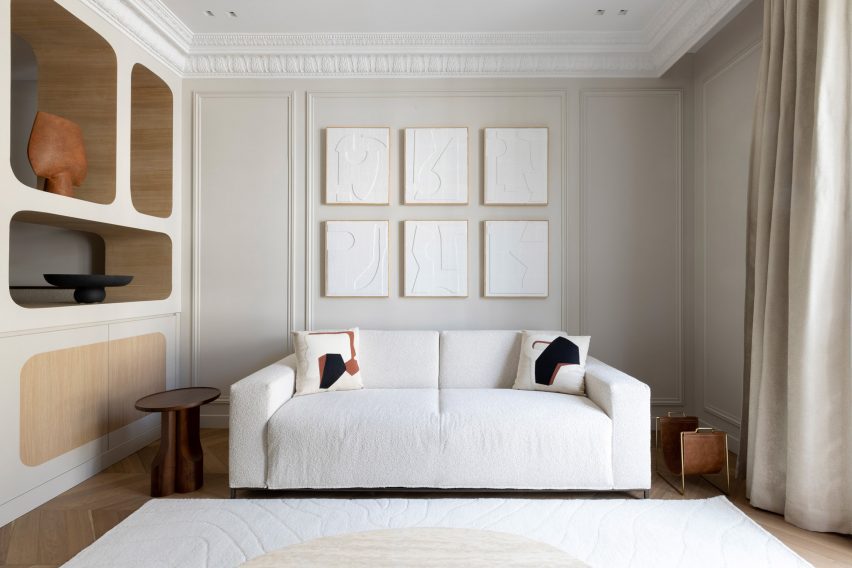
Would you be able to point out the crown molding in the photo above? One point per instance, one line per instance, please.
(674, 30)
(148, 23)
(419, 65)
(683, 26)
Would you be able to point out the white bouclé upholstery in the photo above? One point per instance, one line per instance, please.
(253, 402)
(366, 438)
(557, 441)
(627, 402)
(399, 359)
(439, 411)
(479, 359)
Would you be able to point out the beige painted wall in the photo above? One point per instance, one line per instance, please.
(725, 82)
(619, 183)
(647, 213)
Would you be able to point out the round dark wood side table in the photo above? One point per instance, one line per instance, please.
(178, 466)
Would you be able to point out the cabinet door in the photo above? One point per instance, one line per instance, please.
(53, 404)
(142, 361)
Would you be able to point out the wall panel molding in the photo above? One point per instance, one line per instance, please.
(196, 336)
(313, 164)
(730, 416)
(678, 398)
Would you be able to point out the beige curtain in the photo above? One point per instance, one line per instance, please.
(799, 290)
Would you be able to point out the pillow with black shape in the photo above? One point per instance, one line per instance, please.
(327, 361)
(553, 361)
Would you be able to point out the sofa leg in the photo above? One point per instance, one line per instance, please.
(233, 493)
(645, 493)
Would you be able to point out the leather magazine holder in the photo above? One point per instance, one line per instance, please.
(684, 448)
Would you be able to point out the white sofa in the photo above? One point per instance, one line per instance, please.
(438, 411)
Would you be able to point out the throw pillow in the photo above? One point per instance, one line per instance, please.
(553, 362)
(327, 361)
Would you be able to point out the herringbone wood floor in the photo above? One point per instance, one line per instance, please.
(56, 531)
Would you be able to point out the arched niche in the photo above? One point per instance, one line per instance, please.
(23, 98)
(151, 107)
(75, 73)
(41, 243)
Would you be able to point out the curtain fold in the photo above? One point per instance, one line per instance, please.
(798, 392)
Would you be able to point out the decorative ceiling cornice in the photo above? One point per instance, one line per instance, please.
(682, 25)
(151, 25)
(675, 29)
(419, 65)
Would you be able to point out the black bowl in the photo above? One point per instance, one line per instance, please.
(88, 288)
(86, 280)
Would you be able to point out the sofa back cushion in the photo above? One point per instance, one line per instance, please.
(399, 359)
(479, 359)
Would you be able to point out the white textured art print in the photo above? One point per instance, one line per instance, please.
(356, 258)
(436, 258)
(436, 165)
(516, 166)
(516, 257)
(357, 166)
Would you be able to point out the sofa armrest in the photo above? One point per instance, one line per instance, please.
(627, 401)
(254, 400)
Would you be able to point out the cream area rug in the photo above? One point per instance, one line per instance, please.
(606, 533)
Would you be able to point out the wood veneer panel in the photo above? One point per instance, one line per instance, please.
(137, 367)
(77, 80)
(63, 401)
(150, 143)
(145, 255)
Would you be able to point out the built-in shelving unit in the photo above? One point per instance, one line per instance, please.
(69, 372)
(111, 225)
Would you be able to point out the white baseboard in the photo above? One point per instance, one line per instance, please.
(214, 421)
(215, 415)
(26, 502)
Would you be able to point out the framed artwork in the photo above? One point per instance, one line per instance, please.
(516, 259)
(357, 166)
(516, 166)
(356, 258)
(435, 258)
(436, 166)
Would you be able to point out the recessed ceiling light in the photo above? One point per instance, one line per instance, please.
(622, 12)
(600, 12)
(209, 12)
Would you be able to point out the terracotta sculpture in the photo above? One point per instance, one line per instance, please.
(56, 153)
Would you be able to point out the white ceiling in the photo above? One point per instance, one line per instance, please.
(392, 16)
(428, 38)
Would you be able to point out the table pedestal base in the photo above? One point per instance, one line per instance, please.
(179, 465)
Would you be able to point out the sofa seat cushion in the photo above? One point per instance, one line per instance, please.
(504, 438)
(364, 438)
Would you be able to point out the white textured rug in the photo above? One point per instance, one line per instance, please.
(610, 533)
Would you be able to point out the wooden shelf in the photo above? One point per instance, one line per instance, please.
(147, 255)
(151, 109)
(77, 72)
